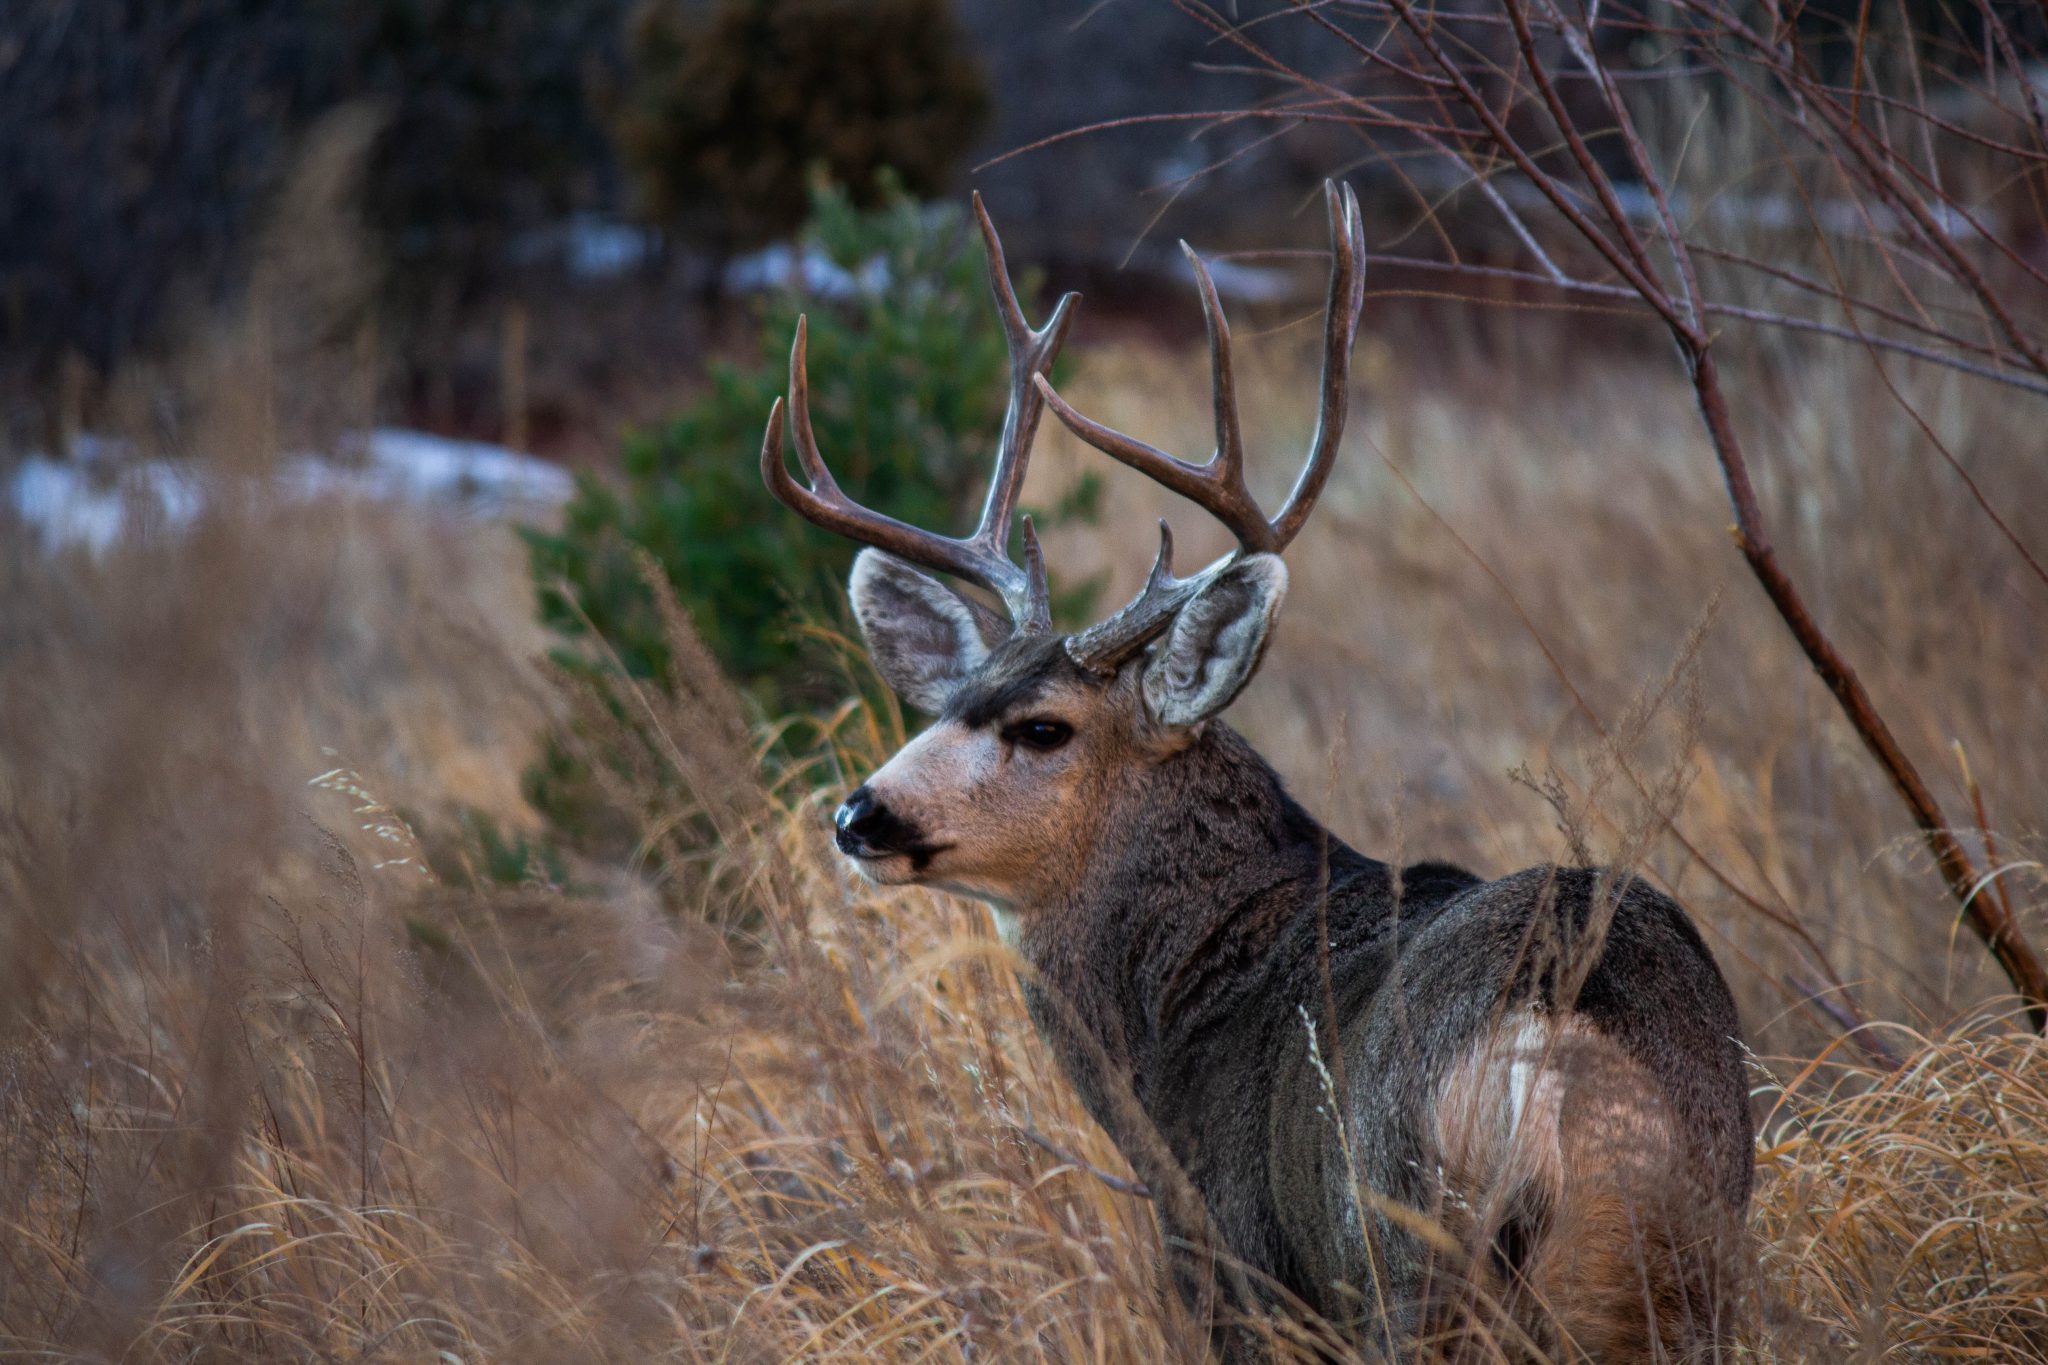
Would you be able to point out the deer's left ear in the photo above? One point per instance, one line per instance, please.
(1215, 643)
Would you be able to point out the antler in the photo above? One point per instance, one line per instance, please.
(983, 557)
(1219, 485)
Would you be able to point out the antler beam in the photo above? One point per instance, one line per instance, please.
(983, 557)
(1219, 485)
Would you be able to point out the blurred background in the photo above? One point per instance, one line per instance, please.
(635, 166)
(418, 725)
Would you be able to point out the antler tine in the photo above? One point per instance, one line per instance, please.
(1340, 330)
(1034, 576)
(1108, 643)
(1232, 500)
(826, 507)
(1191, 481)
(1219, 486)
(982, 558)
(1031, 353)
(807, 453)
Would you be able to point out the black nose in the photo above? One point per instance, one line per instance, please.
(866, 826)
(869, 829)
(860, 817)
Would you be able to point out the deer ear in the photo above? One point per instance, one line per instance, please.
(1215, 643)
(923, 637)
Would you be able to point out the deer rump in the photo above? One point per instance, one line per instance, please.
(1530, 1135)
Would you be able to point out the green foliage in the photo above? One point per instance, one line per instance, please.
(727, 107)
(908, 389)
(475, 851)
(513, 859)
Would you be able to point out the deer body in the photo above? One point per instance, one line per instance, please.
(1177, 977)
(1499, 1117)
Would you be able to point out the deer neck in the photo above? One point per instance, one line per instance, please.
(1205, 890)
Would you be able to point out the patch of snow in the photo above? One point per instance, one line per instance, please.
(783, 266)
(589, 247)
(598, 249)
(391, 464)
(1249, 283)
(104, 492)
(92, 499)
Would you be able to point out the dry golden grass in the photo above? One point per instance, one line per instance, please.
(271, 1093)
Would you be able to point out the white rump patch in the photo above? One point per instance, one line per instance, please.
(1537, 1100)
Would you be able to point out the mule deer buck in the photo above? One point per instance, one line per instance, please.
(1506, 1117)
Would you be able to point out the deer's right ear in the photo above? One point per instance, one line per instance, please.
(923, 637)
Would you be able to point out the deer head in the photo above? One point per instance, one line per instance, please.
(1038, 735)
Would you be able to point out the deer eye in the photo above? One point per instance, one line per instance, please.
(1039, 733)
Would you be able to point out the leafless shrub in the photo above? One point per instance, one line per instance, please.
(1528, 107)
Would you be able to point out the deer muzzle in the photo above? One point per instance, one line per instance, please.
(866, 829)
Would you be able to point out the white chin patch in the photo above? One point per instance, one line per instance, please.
(891, 871)
(1007, 927)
